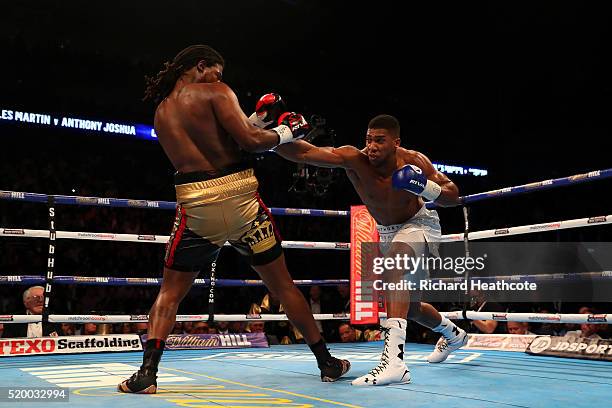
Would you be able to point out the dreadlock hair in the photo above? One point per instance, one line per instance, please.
(160, 86)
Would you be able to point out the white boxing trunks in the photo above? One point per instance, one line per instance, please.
(422, 233)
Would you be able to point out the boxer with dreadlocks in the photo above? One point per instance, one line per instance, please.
(202, 130)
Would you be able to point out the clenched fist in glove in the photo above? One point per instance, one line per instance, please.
(291, 127)
(411, 178)
(267, 110)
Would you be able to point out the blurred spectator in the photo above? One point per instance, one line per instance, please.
(573, 328)
(89, 329)
(236, 327)
(269, 304)
(187, 326)
(259, 327)
(588, 330)
(591, 331)
(348, 334)
(178, 328)
(338, 302)
(126, 328)
(282, 330)
(67, 329)
(199, 328)
(518, 328)
(33, 302)
(222, 327)
(480, 304)
(255, 327)
(548, 329)
(1, 329)
(140, 328)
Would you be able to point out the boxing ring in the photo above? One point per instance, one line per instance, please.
(287, 376)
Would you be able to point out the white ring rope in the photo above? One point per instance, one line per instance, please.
(531, 229)
(532, 317)
(162, 239)
(471, 315)
(84, 318)
(152, 239)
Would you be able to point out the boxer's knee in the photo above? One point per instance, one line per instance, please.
(414, 310)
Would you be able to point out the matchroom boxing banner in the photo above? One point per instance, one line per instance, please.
(364, 300)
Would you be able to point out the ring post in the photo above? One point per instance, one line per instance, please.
(466, 246)
(50, 260)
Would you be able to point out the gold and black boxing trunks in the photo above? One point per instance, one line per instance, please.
(216, 208)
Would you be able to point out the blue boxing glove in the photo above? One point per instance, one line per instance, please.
(411, 178)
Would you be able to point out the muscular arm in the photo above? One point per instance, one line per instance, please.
(301, 151)
(235, 122)
(449, 196)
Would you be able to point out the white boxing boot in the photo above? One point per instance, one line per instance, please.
(391, 369)
(452, 339)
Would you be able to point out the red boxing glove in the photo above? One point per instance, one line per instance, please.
(291, 127)
(267, 110)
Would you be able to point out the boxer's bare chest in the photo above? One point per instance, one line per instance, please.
(387, 205)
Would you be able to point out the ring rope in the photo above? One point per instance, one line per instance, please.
(114, 281)
(470, 315)
(160, 239)
(91, 318)
(170, 205)
(520, 230)
(538, 186)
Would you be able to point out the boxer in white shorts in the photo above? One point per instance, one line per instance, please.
(393, 183)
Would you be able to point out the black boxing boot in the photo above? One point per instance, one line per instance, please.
(144, 381)
(331, 368)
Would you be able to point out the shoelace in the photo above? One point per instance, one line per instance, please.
(443, 346)
(384, 359)
(133, 378)
(138, 374)
(454, 341)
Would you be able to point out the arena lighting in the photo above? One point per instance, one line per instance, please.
(460, 170)
(141, 131)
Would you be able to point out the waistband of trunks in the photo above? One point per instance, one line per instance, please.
(388, 229)
(193, 176)
(216, 189)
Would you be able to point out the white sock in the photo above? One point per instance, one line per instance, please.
(447, 329)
